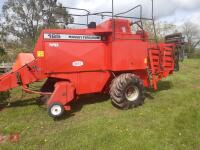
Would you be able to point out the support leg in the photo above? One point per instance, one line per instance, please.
(59, 100)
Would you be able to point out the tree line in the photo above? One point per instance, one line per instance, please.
(21, 22)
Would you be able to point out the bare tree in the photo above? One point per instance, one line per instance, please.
(25, 18)
(162, 29)
(191, 32)
(3, 34)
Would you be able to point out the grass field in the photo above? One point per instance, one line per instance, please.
(169, 120)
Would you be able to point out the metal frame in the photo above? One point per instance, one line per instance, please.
(113, 16)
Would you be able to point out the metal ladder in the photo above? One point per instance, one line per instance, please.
(168, 61)
(154, 66)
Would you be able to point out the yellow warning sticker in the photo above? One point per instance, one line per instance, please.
(40, 54)
(145, 60)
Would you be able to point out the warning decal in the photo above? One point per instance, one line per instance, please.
(40, 54)
(71, 37)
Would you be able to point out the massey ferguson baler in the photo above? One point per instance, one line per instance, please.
(107, 57)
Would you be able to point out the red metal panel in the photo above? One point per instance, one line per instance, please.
(91, 56)
(86, 82)
(121, 25)
(129, 55)
(92, 82)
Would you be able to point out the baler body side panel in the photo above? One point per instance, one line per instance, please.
(129, 55)
(75, 56)
(86, 82)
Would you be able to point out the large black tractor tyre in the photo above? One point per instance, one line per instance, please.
(127, 91)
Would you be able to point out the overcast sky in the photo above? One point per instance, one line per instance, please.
(172, 11)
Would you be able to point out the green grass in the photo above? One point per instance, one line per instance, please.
(169, 120)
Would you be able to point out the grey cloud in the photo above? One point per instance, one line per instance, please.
(163, 8)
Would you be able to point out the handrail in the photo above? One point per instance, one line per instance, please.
(112, 15)
(122, 13)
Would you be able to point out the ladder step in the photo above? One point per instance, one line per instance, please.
(167, 53)
(168, 59)
(168, 50)
(168, 64)
(155, 52)
(155, 63)
(155, 57)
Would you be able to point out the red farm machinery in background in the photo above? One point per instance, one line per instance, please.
(107, 57)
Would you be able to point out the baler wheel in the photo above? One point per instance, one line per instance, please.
(127, 91)
(55, 110)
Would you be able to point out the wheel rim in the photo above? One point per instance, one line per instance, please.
(56, 110)
(132, 93)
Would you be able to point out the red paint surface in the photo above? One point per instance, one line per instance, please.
(129, 52)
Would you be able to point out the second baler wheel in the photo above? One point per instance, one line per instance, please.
(56, 110)
(127, 91)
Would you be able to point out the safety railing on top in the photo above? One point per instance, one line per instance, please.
(86, 13)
